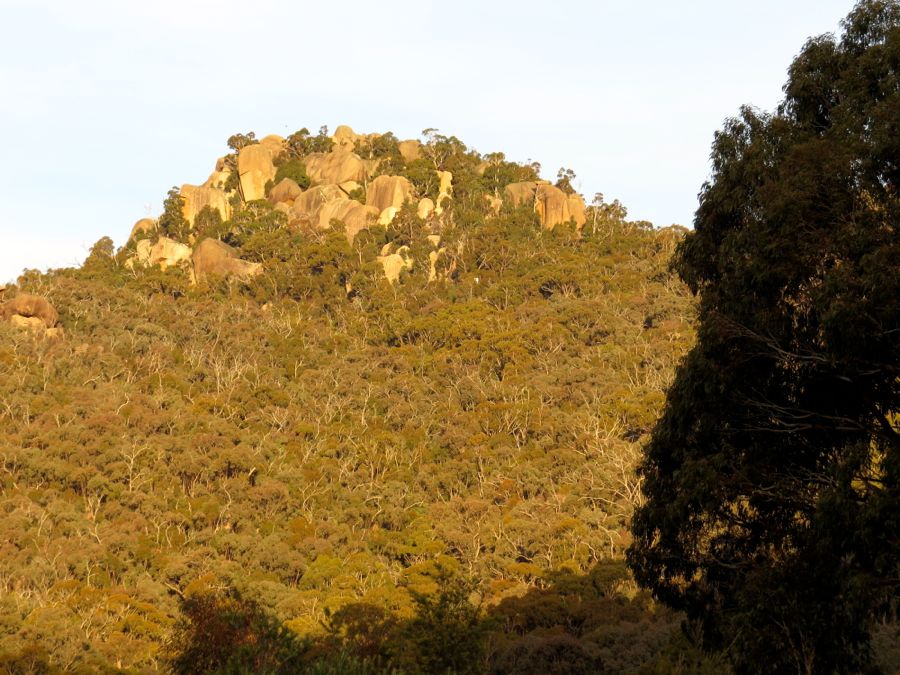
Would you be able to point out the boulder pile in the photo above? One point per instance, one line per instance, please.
(344, 187)
(552, 205)
(215, 258)
(32, 312)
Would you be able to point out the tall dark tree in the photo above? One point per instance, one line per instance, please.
(231, 634)
(773, 507)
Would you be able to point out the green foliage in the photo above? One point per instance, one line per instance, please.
(499, 173)
(386, 149)
(238, 141)
(172, 222)
(773, 477)
(255, 220)
(101, 261)
(207, 223)
(442, 151)
(301, 143)
(421, 174)
(233, 182)
(564, 180)
(295, 170)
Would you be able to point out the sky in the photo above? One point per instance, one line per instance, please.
(106, 104)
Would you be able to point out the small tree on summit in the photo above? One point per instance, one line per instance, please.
(773, 478)
(564, 178)
(238, 141)
(172, 222)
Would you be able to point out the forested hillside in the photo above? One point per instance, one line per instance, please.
(406, 441)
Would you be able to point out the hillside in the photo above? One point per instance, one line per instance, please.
(388, 395)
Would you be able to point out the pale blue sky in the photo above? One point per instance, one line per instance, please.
(108, 103)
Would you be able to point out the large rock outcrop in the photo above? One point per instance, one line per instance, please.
(317, 207)
(286, 191)
(25, 310)
(305, 211)
(445, 190)
(344, 138)
(577, 211)
(388, 191)
(141, 254)
(336, 167)
(387, 215)
(554, 207)
(168, 253)
(145, 226)
(274, 144)
(350, 187)
(517, 194)
(425, 208)
(255, 169)
(215, 258)
(410, 150)
(219, 177)
(355, 216)
(197, 197)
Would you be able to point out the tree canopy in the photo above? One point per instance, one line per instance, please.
(773, 513)
(417, 476)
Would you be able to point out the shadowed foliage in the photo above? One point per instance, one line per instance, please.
(773, 478)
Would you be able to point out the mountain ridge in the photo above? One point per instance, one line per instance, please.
(438, 411)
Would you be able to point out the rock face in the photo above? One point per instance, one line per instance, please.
(350, 186)
(285, 191)
(305, 211)
(577, 211)
(394, 263)
(371, 166)
(388, 191)
(433, 257)
(318, 206)
(141, 253)
(196, 197)
(274, 144)
(168, 253)
(520, 193)
(30, 309)
(445, 191)
(554, 206)
(410, 150)
(219, 177)
(355, 216)
(425, 208)
(143, 226)
(387, 216)
(255, 169)
(333, 168)
(213, 257)
(344, 137)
